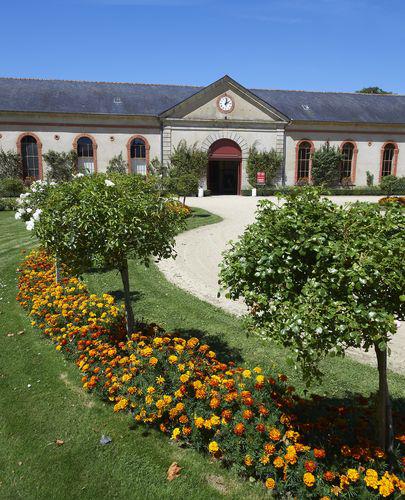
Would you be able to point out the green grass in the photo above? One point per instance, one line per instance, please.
(55, 407)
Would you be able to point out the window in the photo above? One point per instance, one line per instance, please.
(30, 157)
(347, 162)
(85, 155)
(138, 156)
(388, 159)
(304, 161)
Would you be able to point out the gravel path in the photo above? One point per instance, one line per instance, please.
(199, 254)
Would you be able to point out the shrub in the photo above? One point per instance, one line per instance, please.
(326, 163)
(188, 160)
(268, 162)
(61, 165)
(182, 185)
(117, 165)
(8, 204)
(248, 418)
(11, 187)
(310, 273)
(392, 185)
(10, 165)
(370, 179)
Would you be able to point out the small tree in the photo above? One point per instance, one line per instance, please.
(268, 162)
(319, 278)
(182, 185)
(10, 165)
(390, 184)
(326, 163)
(61, 165)
(370, 178)
(109, 220)
(117, 165)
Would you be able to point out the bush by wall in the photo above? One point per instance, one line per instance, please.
(355, 191)
(8, 204)
(247, 418)
(11, 187)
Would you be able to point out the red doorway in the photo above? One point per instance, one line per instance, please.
(224, 167)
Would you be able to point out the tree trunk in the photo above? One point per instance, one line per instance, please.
(57, 270)
(384, 410)
(128, 307)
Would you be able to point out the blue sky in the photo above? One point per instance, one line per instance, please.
(291, 44)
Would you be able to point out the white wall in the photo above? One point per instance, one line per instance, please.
(102, 132)
(369, 143)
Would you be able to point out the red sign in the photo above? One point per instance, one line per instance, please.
(261, 177)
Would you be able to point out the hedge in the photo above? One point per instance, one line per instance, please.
(356, 191)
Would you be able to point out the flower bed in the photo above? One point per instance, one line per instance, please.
(247, 418)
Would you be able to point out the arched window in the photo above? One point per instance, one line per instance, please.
(346, 167)
(30, 157)
(85, 153)
(304, 161)
(388, 159)
(138, 156)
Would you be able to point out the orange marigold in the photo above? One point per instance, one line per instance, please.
(239, 429)
(270, 483)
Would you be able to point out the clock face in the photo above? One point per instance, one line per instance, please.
(225, 104)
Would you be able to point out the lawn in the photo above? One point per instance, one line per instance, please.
(42, 399)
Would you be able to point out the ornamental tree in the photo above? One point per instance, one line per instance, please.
(326, 163)
(268, 162)
(62, 166)
(319, 278)
(109, 220)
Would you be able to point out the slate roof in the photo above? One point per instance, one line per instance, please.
(63, 96)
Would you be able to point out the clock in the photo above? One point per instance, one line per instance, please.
(225, 104)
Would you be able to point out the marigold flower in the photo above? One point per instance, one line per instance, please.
(247, 414)
(239, 429)
(310, 466)
(213, 447)
(319, 453)
(329, 476)
(270, 483)
(172, 359)
(264, 459)
(246, 373)
(248, 460)
(309, 479)
(269, 448)
(199, 422)
(353, 475)
(176, 433)
(153, 361)
(278, 462)
(274, 434)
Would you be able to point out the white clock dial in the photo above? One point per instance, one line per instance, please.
(225, 103)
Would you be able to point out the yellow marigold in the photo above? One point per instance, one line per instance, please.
(353, 475)
(247, 373)
(172, 359)
(213, 447)
(184, 378)
(257, 369)
(309, 479)
(153, 361)
(199, 422)
(181, 367)
(278, 462)
(260, 379)
(148, 399)
(386, 487)
(264, 459)
(215, 420)
(121, 405)
(176, 433)
(248, 460)
(150, 390)
(270, 483)
(146, 351)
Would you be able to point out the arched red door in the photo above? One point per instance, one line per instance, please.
(224, 167)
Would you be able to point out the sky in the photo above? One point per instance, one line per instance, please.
(329, 45)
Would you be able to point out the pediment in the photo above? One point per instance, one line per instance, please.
(204, 105)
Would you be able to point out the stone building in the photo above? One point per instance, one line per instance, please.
(144, 121)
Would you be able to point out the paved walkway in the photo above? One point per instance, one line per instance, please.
(199, 254)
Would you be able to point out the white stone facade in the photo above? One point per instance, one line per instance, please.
(200, 120)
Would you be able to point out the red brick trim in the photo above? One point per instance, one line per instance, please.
(354, 159)
(394, 160)
(39, 147)
(297, 147)
(93, 140)
(147, 147)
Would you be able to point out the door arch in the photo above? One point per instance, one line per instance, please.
(224, 167)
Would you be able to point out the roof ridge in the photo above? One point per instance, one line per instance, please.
(96, 81)
(329, 92)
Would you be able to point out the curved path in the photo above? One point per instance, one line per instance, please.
(199, 254)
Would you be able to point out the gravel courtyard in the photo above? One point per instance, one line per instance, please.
(199, 254)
